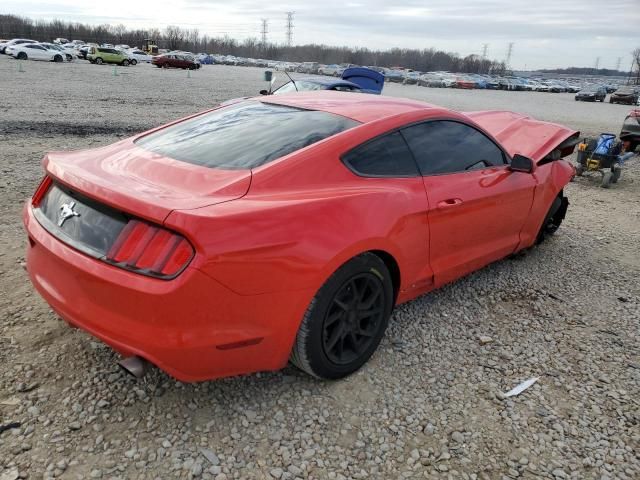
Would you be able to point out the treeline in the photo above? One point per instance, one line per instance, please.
(606, 72)
(176, 38)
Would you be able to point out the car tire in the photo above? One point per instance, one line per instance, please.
(98, 61)
(554, 218)
(579, 170)
(134, 61)
(125, 63)
(336, 337)
(58, 58)
(22, 56)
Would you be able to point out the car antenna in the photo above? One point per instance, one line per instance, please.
(292, 81)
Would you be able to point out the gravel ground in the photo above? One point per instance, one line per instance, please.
(428, 404)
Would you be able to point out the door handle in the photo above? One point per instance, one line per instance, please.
(450, 202)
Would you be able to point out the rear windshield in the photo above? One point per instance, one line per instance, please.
(244, 135)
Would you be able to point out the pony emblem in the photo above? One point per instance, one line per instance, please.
(66, 212)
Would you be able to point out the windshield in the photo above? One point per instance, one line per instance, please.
(245, 135)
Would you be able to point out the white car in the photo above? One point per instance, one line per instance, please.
(69, 53)
(15, 41)
(33, 51)
(137, 56)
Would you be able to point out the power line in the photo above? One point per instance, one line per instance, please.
(264, 31)
(509, 52)
(290, 28)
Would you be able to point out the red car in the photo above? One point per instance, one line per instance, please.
(175, 60)
(285, 227)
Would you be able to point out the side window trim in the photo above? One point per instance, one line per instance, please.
(505, 156)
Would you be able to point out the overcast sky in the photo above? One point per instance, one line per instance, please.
(545, 33)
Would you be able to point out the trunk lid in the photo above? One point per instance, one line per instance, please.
(142, 183)
(369, 80)
(520, 134)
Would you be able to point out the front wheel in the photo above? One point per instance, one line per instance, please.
(22, 56)
(57, 58)
(346, 320)
(134, 61)
(125, 63)
(99, 61)
(554, 217)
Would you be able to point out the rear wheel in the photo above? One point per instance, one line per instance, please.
(134, 61)
(99, 61)
(58, 58)
(22, 56)
(125, 63)
(346, 319)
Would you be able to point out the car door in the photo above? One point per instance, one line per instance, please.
(36, 52)
(387, 164)
(477, 205)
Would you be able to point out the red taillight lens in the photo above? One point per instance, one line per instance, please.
(40, 192)
(150, 249)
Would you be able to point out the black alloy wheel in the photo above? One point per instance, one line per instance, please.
(353, 319)
(346, 319)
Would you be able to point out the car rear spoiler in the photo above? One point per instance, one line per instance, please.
(564, 149)
(368, 80)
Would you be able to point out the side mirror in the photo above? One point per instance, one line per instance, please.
(264, 92)
(520, 163)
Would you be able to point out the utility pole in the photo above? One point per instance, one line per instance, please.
(290, 28)
(264, 31)
(509, 52)
(618, 63)
(597, 65)
(484, 50)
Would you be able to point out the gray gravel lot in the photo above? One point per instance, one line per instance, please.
(428, 404)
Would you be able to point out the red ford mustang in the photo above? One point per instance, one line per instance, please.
(285, 227)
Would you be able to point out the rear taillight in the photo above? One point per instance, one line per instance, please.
(150, 250)
(40, 192)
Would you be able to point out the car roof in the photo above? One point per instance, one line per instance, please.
(361, 107)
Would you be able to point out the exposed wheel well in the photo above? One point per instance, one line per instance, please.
(393, 267)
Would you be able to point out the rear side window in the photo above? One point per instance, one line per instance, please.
(387, 156)
(448, 147)
(244, 135)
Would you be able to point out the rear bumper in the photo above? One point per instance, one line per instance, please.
(192, 327)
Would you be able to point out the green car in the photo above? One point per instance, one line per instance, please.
(100, 55)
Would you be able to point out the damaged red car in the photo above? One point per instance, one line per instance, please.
(285, 227)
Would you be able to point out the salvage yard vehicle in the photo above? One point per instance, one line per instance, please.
(627, 94)
(601, 155)
(174, 60)
(285, 227)
(14, 42)
(68, 53)
(136, 56)
(354, 79)
(34, 51)
(100, 55)
(631, 130)
(592, 93)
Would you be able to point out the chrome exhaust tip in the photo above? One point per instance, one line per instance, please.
(135, 366)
